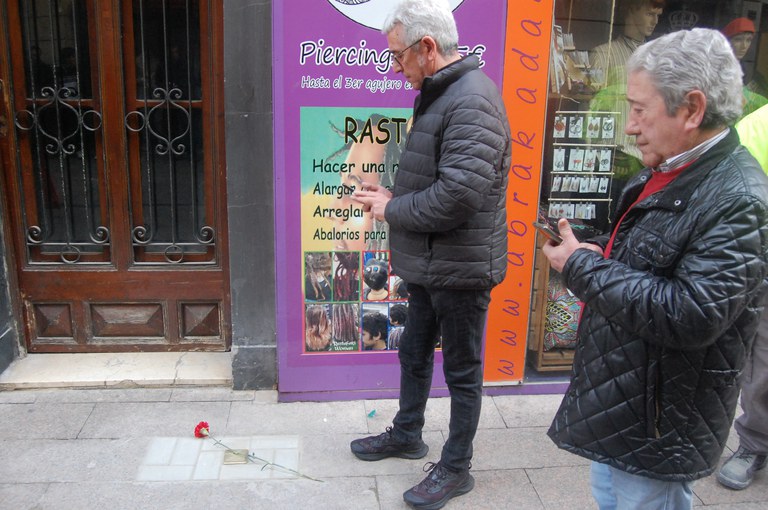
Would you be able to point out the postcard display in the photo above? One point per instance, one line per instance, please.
(582, 158)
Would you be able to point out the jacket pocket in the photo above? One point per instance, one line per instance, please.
(654, 255)
(722, 378)
(653, 400)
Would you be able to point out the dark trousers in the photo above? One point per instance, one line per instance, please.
(458, 316)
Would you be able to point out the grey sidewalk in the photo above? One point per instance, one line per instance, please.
(134, 449)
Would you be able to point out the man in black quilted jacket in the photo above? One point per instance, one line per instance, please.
(448, 238)
(672, 296)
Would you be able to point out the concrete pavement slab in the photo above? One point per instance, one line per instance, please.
(21, 496)
(436, 415)
(132, 419)
(311, 418)
(519, 448)
(33, 421)
(563, 487)
(212, 394)
(57, 461)
(527, 410)
(96, 395)
(340, 494)
(17, 397)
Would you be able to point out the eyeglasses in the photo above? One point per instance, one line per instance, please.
(395, 57)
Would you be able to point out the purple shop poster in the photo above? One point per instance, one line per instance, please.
(341, 119)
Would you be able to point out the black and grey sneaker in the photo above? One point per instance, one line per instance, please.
(438, 487)
(738, 471)
(385, 445)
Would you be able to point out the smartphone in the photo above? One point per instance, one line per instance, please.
(548, 231)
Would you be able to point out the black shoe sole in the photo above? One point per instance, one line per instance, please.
(468, 485)
(416, 454)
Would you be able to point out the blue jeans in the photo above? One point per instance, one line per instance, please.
(616, 489)
(459, 317)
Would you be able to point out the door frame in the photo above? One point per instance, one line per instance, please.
(8, 253)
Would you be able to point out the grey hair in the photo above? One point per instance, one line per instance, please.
(426, 17)
(698, 59)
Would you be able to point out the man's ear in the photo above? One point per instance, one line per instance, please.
(695, 106)
(430, 44)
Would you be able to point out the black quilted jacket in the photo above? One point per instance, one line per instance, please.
(669, 320)
(447, 217)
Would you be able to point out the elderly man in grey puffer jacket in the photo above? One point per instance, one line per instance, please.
(672, 296)
(448, 238)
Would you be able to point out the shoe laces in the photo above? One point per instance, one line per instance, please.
(437, 474)
(744, 454)
(384, 437)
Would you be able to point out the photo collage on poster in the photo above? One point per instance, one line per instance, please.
(583, 148)
(352, 302)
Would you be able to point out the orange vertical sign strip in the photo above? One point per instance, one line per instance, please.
(526, 63)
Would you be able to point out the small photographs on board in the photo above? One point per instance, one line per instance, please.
(576, 160)
(559, 159)
(590, 160)
(576, 126)
(604, 163)
(593, 127)
(609, 128)
(559, 131)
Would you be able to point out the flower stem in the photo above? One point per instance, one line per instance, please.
(253, 458)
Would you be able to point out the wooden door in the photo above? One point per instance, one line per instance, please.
(114, 182)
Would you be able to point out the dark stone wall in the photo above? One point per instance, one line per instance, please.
(250, 186)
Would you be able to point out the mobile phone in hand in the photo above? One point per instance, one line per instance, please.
(548, 231)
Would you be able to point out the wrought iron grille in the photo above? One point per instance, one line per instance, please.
(60, 132)
(171, 210)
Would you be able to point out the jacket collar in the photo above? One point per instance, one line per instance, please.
(676, 194)
(433, 86)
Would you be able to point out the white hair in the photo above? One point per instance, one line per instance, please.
(426, 17)
(698, 59)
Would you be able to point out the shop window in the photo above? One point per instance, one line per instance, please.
(587, 156)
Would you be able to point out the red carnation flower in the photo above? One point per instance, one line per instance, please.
(202, 429)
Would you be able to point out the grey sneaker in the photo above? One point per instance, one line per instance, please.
(738, 471)
(385, 445)
(438, 487)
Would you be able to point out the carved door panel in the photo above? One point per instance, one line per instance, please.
(114, 182)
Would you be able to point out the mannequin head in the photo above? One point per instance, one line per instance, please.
(375, 274)
(740, 33)
(641, 17)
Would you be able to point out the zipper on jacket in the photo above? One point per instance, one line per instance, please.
(657, 407)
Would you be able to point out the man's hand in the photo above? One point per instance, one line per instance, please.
(558, 254)
(374, 199)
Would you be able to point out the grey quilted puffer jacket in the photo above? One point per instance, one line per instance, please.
(447, 217)
(668, 320)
